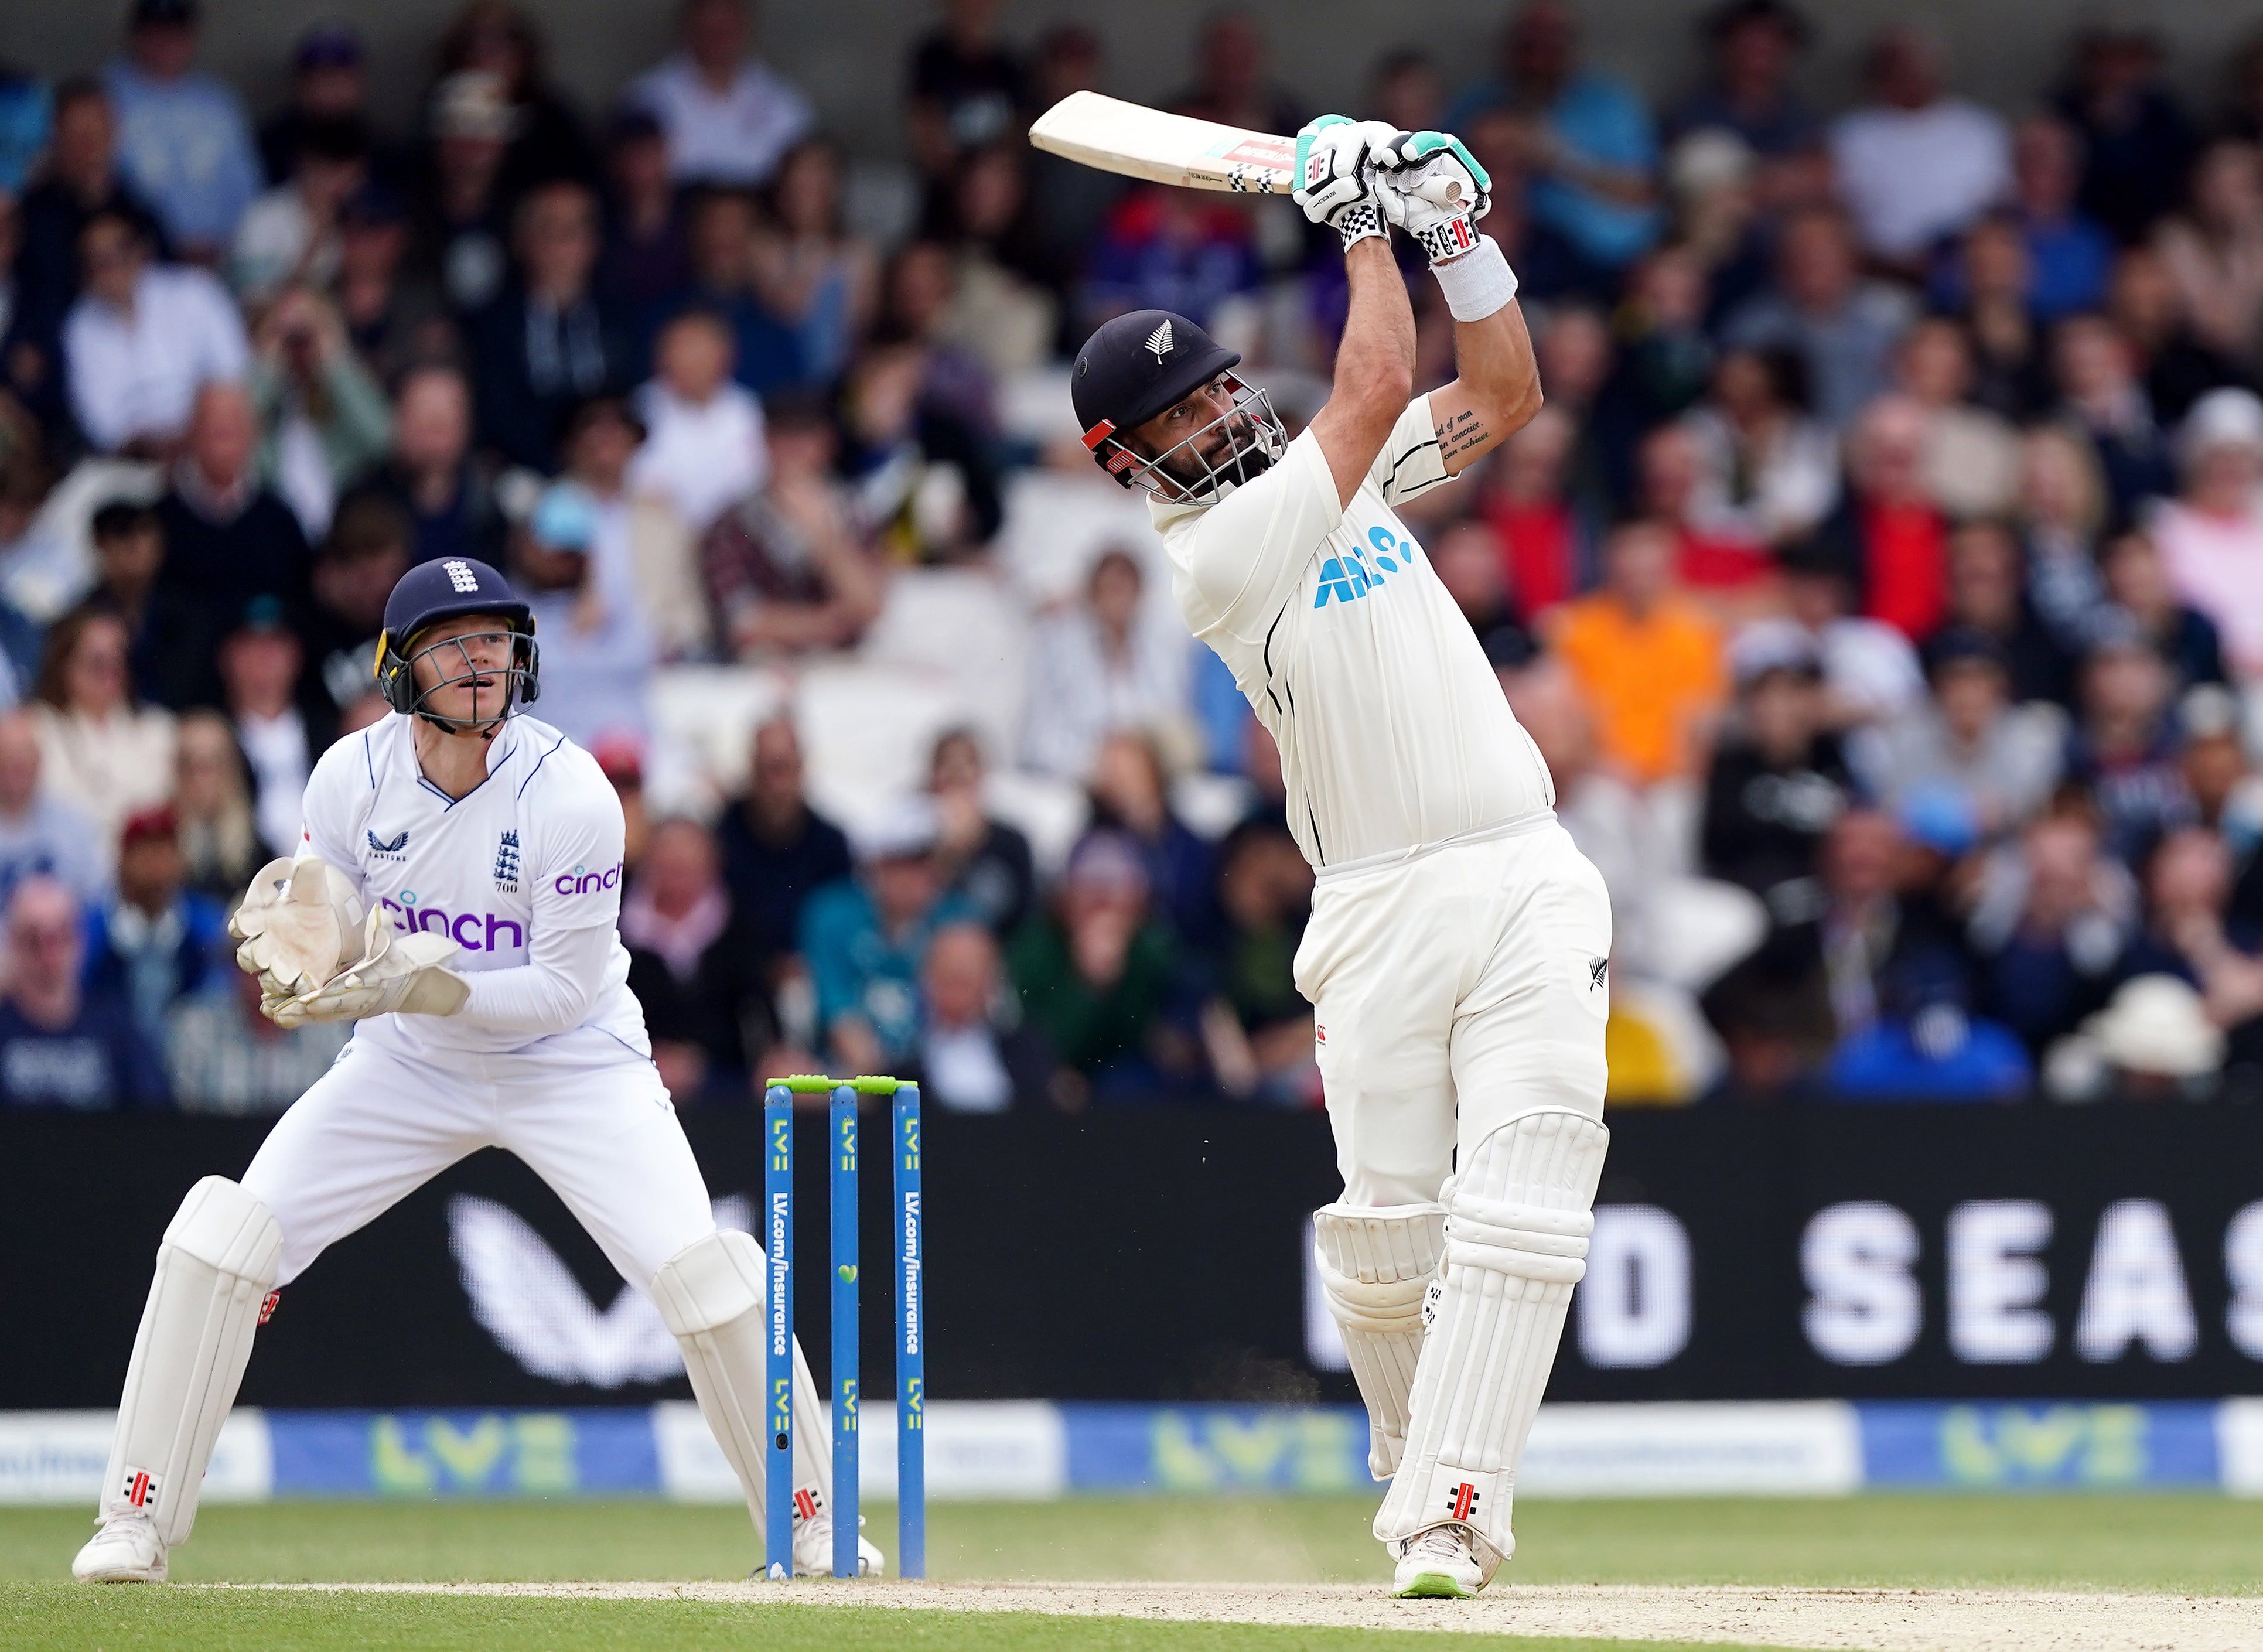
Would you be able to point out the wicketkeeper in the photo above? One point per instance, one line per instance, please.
(455, 893)
(1458, 947)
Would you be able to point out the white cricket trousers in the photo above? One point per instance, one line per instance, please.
(380, 1124)
(1453, 991)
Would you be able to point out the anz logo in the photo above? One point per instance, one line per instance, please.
(1352, 575)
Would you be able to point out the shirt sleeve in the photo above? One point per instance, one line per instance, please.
(344, 776)
(1411, 461)
(1246, 555)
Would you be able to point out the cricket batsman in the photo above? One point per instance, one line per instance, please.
(455, 893)
(1458, 945)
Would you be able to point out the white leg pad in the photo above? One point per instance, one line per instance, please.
(1518, 1214)
(215, 1266)
(711, 1295)
(1376, 1262)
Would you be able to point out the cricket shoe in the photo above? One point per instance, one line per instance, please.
(812, 1550)
(126, 1549)
(1441, 1563)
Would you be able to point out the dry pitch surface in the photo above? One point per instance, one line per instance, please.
(1873, 1620)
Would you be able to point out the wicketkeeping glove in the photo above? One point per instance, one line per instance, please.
(1432, 187)
(300, 923)
(1335, 174)
(397, 974)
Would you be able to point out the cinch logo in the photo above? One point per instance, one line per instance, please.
(474, 932)
(1350, 577)
(580, 880)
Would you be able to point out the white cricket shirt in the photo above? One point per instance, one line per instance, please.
(1394, 730)
(532, 854)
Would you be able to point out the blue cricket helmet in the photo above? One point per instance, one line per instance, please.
(448, 588)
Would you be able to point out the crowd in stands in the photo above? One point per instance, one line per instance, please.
(1883, 580)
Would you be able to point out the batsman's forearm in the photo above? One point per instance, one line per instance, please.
(1377, 355)
(1494, 359)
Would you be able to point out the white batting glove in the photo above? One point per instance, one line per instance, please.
(397, 974)
(1431, 187)
(1335, 175)
(300, 923)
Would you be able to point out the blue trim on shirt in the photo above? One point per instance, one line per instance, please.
(537, 769)
(370, 758)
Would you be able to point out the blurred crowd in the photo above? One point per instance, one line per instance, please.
(1883, 580)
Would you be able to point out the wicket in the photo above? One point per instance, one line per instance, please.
(906, 1220)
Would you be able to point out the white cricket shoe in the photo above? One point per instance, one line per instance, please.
(812, 1550)
(1438, 1564)
(126, 1549)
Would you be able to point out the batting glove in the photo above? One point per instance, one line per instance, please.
(1431, 187)
(1335, 175)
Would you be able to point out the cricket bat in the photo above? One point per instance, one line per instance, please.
(1124, 137)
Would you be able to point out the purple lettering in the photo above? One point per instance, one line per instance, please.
(456, 929)
(565, 884)
(517, 935)
(433, 919)
(396, 911)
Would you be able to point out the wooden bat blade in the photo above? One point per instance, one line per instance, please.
(1116, 136)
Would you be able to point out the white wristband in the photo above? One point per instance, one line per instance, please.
(1477, 282)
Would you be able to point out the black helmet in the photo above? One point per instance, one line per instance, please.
(446, 589)
(1143, 363)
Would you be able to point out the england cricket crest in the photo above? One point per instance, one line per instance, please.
(506, 864)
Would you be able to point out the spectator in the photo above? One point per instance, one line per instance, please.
(175, 635)
(595, 643)
(2097, 373)
(290, 234)
(1927, 1045)
(644, 559)
(329, 81)
(811, 272)
(2122, 751)
(1972, 455)
(728, 116)
(1869, 669)
(1664, 358)
(142, 341)
(355, 571)
(2137, 581)
(1779, 779)
(1587, 138)
(398, 320)
(691, 965)
(704, 449)
(547, 139)
(1547, 543)
(1877, 919)
(40, 835)
(2070, 250)
(924, 289)
(998, 315)
(1754, 44)
(2061, 510)
(156, 941)
(1471, 564)
(1988, 593)
(783, 567)
(24, 123)
(324, 419)
(225, 1057)
(547, 342)
(1067, 202)
(1100, 667)
(99, 752)
(864, 939)
(967, 90)
(259, 667)
(1714, 180)
(1767, 473)
(976, 1055)
(432, 474)
(926, 487)
(2214, 250)
(1169, 248)
(2187, 892)
(644, 261)
(1130, 798)
(2055, 964)
(2138, 143)
(622, 764)
(80, 178)
(778, 851)
(1406, 90)
(719, 238)
(218, 834)
(1887, 532)
(60, 1046)
(1095, 974)
(1842, 327)
(1915, 164)
(1726, 571)
(1994, 762)
(1646, 662)
(1232, 84)
(2145, 304)
(227, 537)
(182, 137)
(1256, 1027)
(463, 208)
(2211, 535)
(1995, 278)
(985, 862)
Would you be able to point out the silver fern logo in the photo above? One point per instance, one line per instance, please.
(1159, 340)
